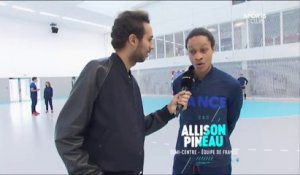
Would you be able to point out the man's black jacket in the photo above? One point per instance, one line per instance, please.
(102, 126)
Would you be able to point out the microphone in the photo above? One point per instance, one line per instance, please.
(186, 84)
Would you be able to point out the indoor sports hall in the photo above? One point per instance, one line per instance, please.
(54, 40)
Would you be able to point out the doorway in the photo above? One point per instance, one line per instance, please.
(20, 89)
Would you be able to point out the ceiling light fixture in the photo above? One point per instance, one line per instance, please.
(239, 24)
(23, 9)
(49, 14)
(86, 22)
(3, 4)
(212, 29)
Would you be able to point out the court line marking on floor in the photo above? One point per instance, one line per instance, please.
(268, 150)
(284, 150)
(251, 149)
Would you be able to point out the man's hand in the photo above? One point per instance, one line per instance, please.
(181, 98)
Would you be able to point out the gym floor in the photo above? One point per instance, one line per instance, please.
(267, 144)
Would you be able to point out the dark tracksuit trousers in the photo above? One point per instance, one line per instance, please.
(33, 104)
(48, 101)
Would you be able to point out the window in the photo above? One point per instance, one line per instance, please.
(272, 29)
(291, 26)
(234, 2)
(179, 44)
(215, 32)
(240, 34)
(186, 33)
(169, 41)
(160, 47)
(255, 33)
(152, 54)
(226, 36)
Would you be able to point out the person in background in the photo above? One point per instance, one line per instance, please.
(33, 96)
(243, 82)
(203, 146)
(101, 128)
(48, 94)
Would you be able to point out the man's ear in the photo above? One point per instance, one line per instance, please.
(132, 39)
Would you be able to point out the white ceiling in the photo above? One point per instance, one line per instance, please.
(112, 8)
(87, 15)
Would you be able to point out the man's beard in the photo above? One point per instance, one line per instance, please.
(137, 56)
